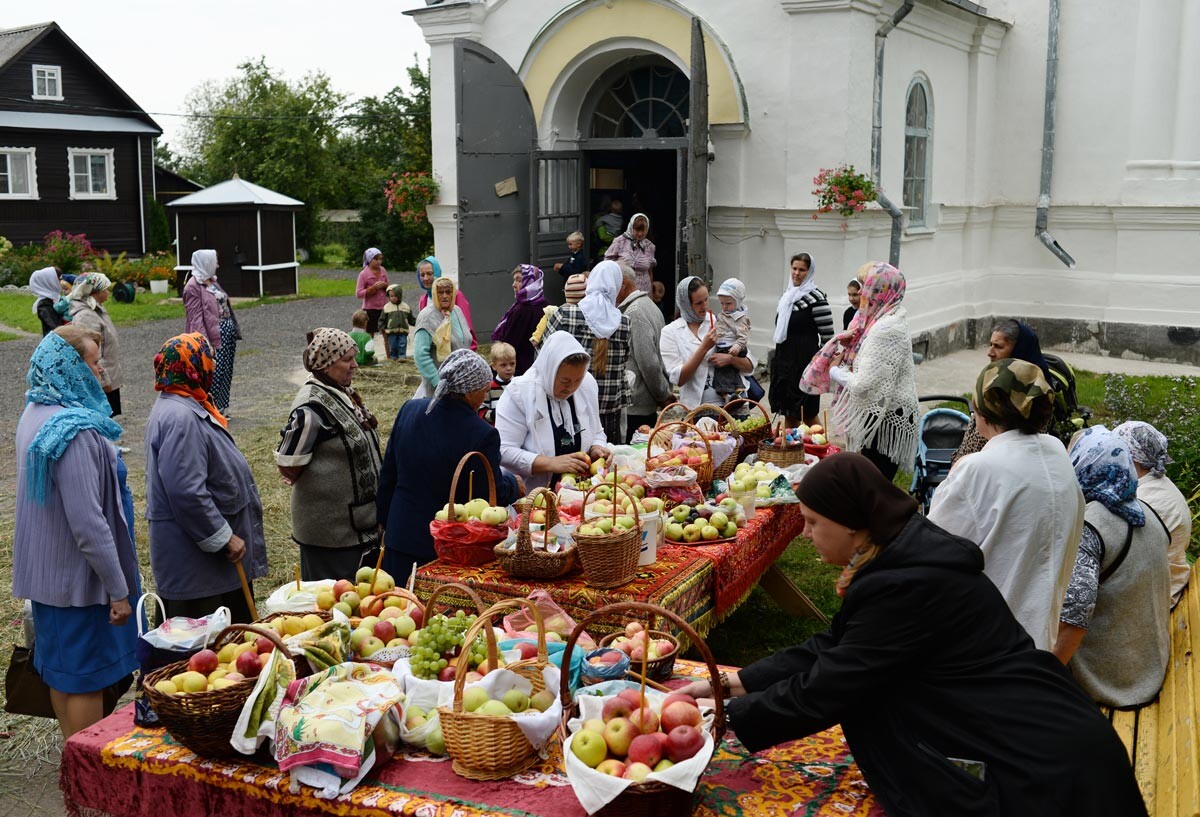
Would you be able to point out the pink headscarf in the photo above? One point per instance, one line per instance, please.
(884, 287)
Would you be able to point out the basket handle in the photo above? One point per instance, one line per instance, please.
(487, 469)
(754, 403)
(714, 672)
(484, 623)
(659, 419)
(400, 592)
(685, 424)
(637, 517)
(437, 591)
(525, 509)
(731, 424)
(226, 636)
(141, 608)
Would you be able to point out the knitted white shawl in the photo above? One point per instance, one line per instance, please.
(878, 407)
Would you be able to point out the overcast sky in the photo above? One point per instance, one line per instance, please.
(158, 51)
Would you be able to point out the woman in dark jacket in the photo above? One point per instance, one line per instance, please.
(803, 324)
(945, 703)
(429, 438)
(44, 284)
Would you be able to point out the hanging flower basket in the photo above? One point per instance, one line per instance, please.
(844, 190)
(408, 194)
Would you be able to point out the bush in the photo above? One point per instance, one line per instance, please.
(332, 253)
(67, 251)
(20, 262)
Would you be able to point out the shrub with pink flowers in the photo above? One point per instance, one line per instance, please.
(408, 194)
(844, 190)
(67, 251)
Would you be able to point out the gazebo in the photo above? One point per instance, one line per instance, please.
(253, 230)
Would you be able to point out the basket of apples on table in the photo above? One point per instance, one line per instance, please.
(754, 427)
(632, 751)
(787, 446)
(467, 533)
(719, 428)
(609, 546)
(695, 451)
(537, 554)
(651, 652)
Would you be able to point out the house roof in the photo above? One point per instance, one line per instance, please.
(14, 42)
(75, 122)
(170, 176)
(235, 191)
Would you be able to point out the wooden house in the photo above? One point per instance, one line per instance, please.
(76, 152)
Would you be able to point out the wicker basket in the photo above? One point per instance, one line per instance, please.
(473, 553)
(204, 721)
(646, 799)
(781, 455)
(431, 602)
(661, 437)
(660, 669)
(524, 561)
(752, 438)
(723, 470)
(487, 747)
(679, 411)
(610, 559)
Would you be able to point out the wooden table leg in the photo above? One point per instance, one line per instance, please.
(788, 596)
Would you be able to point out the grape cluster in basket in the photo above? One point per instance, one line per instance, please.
(440, 642)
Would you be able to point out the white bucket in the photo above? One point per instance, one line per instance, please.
(746, 500)
(158, 286)
(654, 533)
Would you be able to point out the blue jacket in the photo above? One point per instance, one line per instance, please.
(422, 453)
(199, 491)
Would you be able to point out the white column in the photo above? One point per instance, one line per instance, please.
(1187, 117)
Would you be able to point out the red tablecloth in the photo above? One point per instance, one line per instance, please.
(115, 769)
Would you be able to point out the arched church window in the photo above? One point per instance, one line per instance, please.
(646, 103)
(918, 130)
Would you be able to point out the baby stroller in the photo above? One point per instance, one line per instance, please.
(939, 434)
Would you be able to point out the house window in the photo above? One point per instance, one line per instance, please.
(18, 174)
(91, 173)
(918, 129)
(47, 82)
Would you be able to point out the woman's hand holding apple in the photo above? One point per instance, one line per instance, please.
(574, 463)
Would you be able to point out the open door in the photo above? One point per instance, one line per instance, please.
(557, 181)
(495, 136)
(696, 234)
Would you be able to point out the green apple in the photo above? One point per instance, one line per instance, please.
(718, 520)
(709, 532)
(405, 624)
(625, 522)
(371, 646)
(729, 505)
(681, 512)
(737, 486)
(358, 638)
(691, 533)
(541, 701)
(590, 747)
(763, 491)
(344, 608)
(494, 708)
(473, 698)
(493, 516)
(604, 525)
(675, 531)
(731, 530)
(193, 682)
(435, 743)
(476, 507)
(516, 700)
(166, 688)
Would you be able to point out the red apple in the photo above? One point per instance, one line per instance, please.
(248, 664)
(680, 713)
(683, 742)
(646, 749)
(342, 587)
(619, 734)
(634, 696)
(203, 662)
(263, 645)
(633, 627)
(384, 630)
(527, 650)
(416, 615)
(612, 766)
(448, 673)
(679, 696)
(616, 708)
(610, 657)
(234, 676)
(664, 647)
(645, 719)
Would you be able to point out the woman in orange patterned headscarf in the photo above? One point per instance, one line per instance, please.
(185, 366)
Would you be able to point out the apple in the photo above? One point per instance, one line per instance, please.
(730, 531)
(516, 700)
(616, 708)
(403, 625)
(370, 606)
(663, 647)
(618, 734)
(590, 747)
(820, 439)
(709, 532)
(495, 708)
(192, 681)
(637, 772)
(344, 608)
(680, 512)
(473, 698)
(325, 599)
(358, 637)
(384, 630)
(633, 628)
(674, 531)
(729, 505)
(680, 713)
(203, 662)
(538, 517)
(398, 642)
(594, 725)
(371, 646)
(390, 613)
(527, 650)
(632, 695)
(718, 520)
(166, 688)
(646, 749)
(663, 765)
(625, 522)
(395, 602)
(414, 717)
(473, 677)
(415, 614)
(683, 742)
(263, 645)
(679, 696)
(234, 676)
(341, 587)
(227, 654)
(644, 719)
(691, 533)
(611, 766)
(248, 664)
(494, 516)
(447, 673)
(351, 598)
(541, 701)
(435, 742)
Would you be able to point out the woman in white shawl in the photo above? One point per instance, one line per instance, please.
(636, 250)
(207, 310)
(549, 417)
(44, 285)
(442, 328)
(803, 324)
(87, 311)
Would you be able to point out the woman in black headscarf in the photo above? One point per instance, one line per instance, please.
(945, 703)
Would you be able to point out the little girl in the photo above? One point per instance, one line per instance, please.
(733, 336)
(397, 316)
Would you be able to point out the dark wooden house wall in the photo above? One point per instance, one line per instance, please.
(233, 233)
(111, 225)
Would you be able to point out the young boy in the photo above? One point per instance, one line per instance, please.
(397, 316)
(359, 334)
(576, 263)
(733, 335)
(504, 366)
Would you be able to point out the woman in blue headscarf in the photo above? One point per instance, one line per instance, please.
(428, 271)
(73, 552)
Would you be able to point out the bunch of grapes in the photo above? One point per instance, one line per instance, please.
(752, 422)
(440, 642)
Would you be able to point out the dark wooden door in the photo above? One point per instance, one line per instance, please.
(495, 136)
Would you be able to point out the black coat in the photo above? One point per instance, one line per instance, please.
(50, 319)
(925, 662)
(792, 357)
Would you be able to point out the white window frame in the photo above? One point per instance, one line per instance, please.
(50, 70)
(918, 218)
(31, 166)
(111, 195)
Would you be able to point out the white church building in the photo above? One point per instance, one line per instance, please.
(546, 110)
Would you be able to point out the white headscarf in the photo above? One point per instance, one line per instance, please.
(733, 288)
(599, 305)
(44, 283)
(370, 255)
(85, 284)
(204, 265)
(636, 243)
(555, 349)
(783, 312)
(1147, 445)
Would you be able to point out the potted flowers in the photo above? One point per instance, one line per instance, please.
(408, 194)
(159, 277)
(843, 189)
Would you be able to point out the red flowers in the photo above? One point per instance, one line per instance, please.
(408, 194)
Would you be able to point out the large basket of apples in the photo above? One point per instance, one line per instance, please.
(658, 746)
(464, 534)
(645, 646)
(723, 434)
(692, 454)
(609, 546)
(523, 559)
(198, 701)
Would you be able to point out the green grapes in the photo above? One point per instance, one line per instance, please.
(441, 642)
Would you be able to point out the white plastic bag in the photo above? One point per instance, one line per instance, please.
(287, 598)
(182, 634)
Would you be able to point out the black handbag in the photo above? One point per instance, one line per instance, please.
(24, 690)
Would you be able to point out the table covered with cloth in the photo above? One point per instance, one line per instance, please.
(116, 769)
(702, 584)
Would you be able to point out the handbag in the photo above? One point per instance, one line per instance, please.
(754, 389)
(25, 691)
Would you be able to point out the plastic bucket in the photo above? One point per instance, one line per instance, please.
(746, 500)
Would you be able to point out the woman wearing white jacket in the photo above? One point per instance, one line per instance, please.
(549, 417)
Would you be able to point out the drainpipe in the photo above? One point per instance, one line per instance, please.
(877, 129)
(1043, 204)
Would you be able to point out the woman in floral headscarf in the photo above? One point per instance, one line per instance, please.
(329, 453)
(428, 271)
(517, 325)
(441, 328)
(1148, 447)
(870, 366)
(201, 500)
(87, 310)
(1114, 632)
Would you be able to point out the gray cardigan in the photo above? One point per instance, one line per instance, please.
(199, 491)
(651, 388)
(74, 551)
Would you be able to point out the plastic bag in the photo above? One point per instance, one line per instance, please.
(181, 634)
(675, 476)
(520, 624)
(627, 457)
(467, 543)
(287, 598)
(689, 495)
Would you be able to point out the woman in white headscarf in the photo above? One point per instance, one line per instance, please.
(636, 250)
(207, 310)
(604, 334)
(87, 311)
(549, 417)
(45, 287)
(803, 324)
